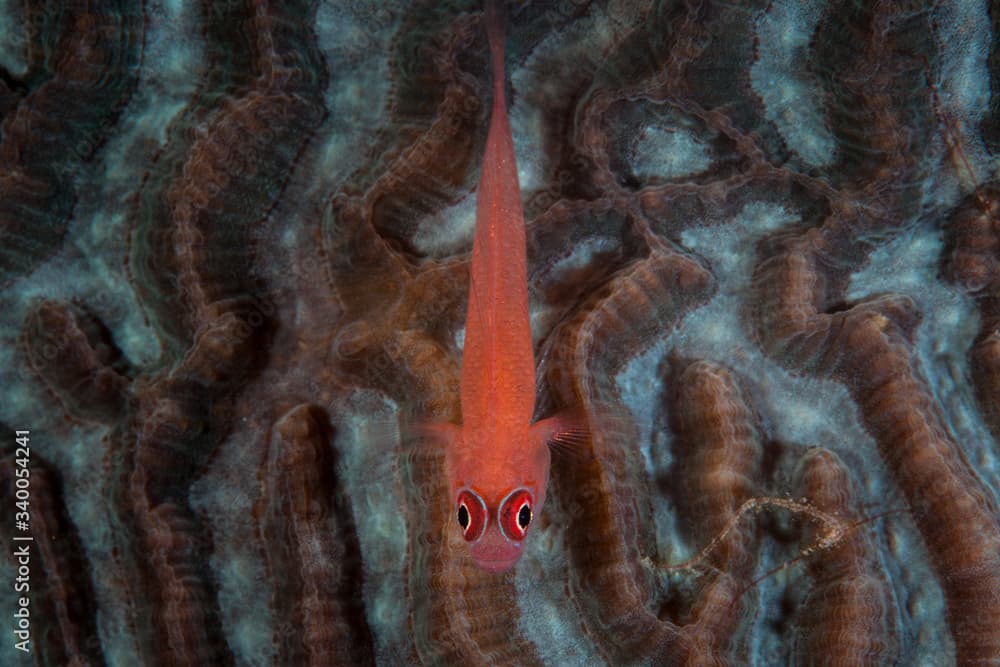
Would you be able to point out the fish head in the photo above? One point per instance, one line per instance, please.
(498, 491)
(495, 526)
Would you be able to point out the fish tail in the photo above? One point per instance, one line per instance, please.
(494, 16)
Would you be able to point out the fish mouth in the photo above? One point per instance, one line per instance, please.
(497, 566)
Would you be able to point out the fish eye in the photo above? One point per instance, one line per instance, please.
(515, 514)
(471, 515)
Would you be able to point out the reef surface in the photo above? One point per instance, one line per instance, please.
(764, 264)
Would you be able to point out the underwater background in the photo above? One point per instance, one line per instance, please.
(764, 263)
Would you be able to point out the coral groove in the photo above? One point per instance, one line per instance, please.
(847, 617)
(310, 548)
(719, 458)
(76, 357)
(974, 263)
(63, 605)
(85, 53)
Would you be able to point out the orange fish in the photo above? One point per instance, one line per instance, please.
(498, 461)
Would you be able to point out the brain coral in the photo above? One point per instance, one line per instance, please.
(764, 266)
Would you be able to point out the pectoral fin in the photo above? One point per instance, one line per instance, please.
(566, 432)
(389, 434)
(430, 434)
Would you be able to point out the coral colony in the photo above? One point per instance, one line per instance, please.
(763, 258)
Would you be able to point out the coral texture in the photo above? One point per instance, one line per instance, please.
(764, 269)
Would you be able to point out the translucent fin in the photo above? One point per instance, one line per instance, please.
(389, 435)
(566, 433)
(429, 434)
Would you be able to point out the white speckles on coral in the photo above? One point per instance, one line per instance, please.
(779, 78)
(667, 153)
(358, 33)
(367, 442)
(176, 48)
(902, 265)
(544, 604)
(449, 231)
(964, 83)
(642, 389)
(582, 254)
(249, 620)
(725, 246)
(906, 562)
(13, 40)
(538, 85)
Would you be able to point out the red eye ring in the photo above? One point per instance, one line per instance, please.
(515, 514)
(472, 515)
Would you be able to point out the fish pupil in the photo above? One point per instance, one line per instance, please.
(524, 516)
(463, 516)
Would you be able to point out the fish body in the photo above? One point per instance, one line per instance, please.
(498, 461)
